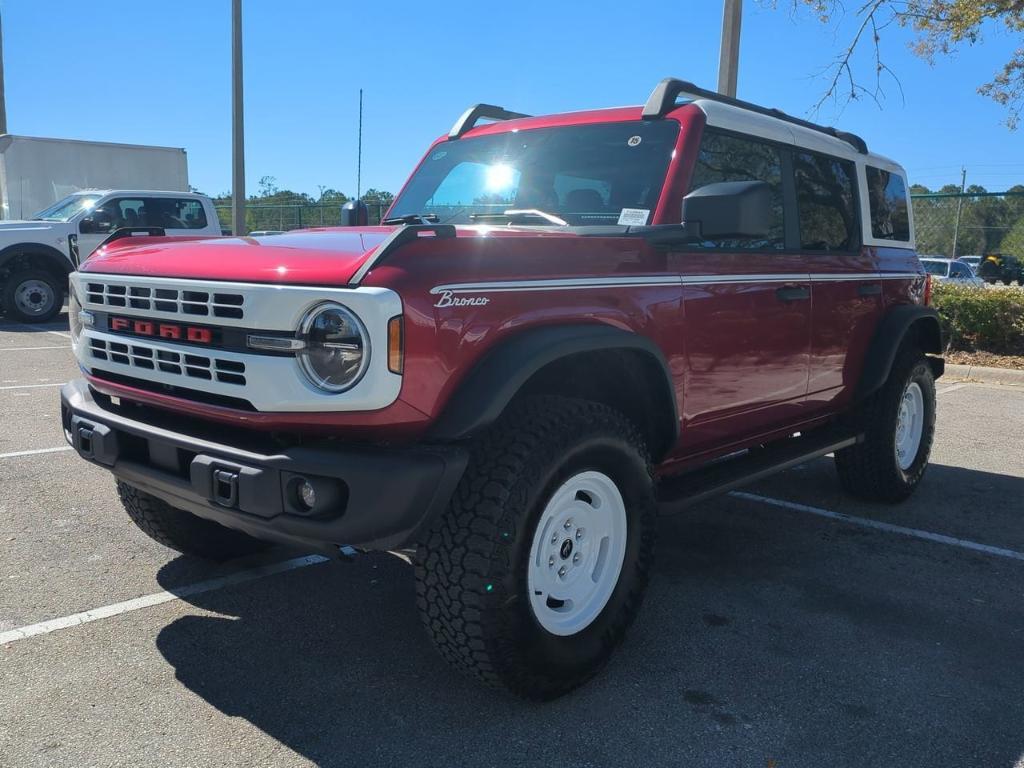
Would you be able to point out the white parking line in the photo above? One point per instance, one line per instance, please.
(33, 386)
(33, 349)
(158, 598)
(878, 525)
(35, 452)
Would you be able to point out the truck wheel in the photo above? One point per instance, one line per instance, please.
(898, 423)
(538, 567)
(182, 530)
(33, 296)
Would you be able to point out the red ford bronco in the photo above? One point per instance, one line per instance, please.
(565, 323)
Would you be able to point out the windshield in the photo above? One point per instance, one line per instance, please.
(68, 207)
(580, 174)
(934, 267)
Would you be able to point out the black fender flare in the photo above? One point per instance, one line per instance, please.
(55, 261)
(890, 334)
(502, 372)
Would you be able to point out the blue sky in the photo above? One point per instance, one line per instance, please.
(159, 73)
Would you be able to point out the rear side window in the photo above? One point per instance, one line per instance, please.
(173, 213)
(887, 196)
(826, 203)
(731, 158)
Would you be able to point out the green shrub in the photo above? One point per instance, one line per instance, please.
(981, 319)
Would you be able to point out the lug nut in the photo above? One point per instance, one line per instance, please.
(561, 571)
(576, 558)
(554, 538)
(579, 534)
(568, 524)
(551, 562)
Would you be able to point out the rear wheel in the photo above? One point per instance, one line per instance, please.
(182, 530)
(898, 423)
(538, 567)
(33, 295)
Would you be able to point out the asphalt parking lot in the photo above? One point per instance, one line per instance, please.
(777, 632)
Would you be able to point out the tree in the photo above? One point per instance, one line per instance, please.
(378, 196)
(940, 26)
(1013, 242)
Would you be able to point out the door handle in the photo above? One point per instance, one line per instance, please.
(788, 293)
(869, 289)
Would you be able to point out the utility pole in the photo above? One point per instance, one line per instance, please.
(3, 90)
(237, 124)
(729, 54)
(959, 208)
(359, 159)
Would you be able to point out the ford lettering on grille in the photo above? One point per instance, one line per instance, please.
(155, 329)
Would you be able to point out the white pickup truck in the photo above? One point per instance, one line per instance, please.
(37, 255)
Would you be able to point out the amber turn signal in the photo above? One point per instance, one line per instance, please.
(396, 345)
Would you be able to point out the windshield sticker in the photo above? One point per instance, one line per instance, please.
(634, 141)
(439, 155)
(633, 217)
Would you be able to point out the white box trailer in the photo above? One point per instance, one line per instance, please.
(37, 172)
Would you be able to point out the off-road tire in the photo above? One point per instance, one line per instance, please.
(183, 531)
(870, 470)
(15, 279)
(471, 568)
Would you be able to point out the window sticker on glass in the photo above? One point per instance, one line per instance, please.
(633, 217)
(634, 141)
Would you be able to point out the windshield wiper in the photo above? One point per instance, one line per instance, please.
(520, 213)
(413, 218)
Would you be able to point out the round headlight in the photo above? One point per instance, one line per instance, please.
(337, 347)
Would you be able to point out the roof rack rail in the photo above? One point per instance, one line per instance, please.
(480, 112)
(663, 100)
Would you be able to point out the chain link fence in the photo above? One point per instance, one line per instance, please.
(954, 225)
(281, 218)
(946, 224)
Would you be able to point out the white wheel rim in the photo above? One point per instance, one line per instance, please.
(909, 425)
(33, 297)
(577, 553)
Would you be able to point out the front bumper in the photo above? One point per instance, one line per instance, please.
(368, 497)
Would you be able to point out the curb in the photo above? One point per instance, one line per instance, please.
(985, 375)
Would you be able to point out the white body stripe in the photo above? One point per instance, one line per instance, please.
(584, 283)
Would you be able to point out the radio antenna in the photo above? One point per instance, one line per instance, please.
(359, 160)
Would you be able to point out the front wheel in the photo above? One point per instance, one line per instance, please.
(898, 424)
(531, 578)
(33, 296)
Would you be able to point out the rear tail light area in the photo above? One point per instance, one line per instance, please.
(927, 290)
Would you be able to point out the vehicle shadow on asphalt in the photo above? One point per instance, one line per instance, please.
(766, 636)
(57, 323)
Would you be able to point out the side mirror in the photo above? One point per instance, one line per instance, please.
(95, 224)
(731, 210)
(354, 213)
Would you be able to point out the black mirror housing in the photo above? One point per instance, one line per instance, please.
(354, 213)
(730, 210)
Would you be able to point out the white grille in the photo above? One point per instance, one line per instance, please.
(270, 383)
(152, 358)
(155, 299)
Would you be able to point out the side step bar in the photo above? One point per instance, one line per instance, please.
(681, 491)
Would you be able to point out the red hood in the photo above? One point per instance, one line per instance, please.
(310, 257)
